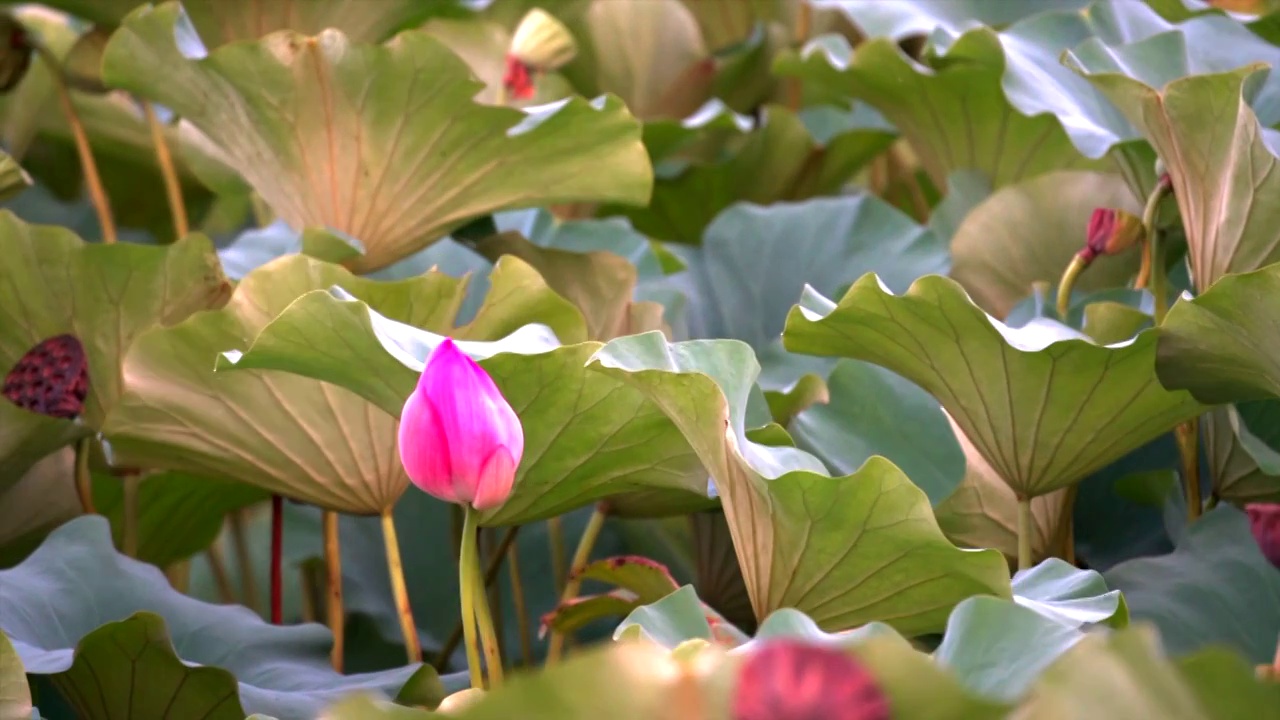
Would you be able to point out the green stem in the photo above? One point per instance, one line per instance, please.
(1188, 437)
(468, 556)
(1068, 281)
(555, 536)
(483, 613)
(335, 611)
(522, 611)
(1159, 278)
(490, 574)
(580, 559)
(84, 478)
(1024, 533)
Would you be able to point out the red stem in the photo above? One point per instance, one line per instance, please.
(277, 553)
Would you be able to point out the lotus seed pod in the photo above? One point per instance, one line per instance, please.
(542, 43)
(52, 378)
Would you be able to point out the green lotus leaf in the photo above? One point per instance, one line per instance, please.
(669, 621)
(754, 262)
(112, 610)
(998, 648)
(781, 159)
(288, 435)
(650, 54)
(1124, 674)
(1234, 468)
(897, 20)
(1028, 232)
(247, 98)
(179, 515)
(1218, 161)
(1043, 404)
(13, 179)
(53, 283)
(982, 512)
(1220, 346)
(1068, 595)
(967, 123)
(1215, 575)
(902, 671)
(838, 549)
(15, 695)
(789, 623)
(875, 412)
(39, 501)
(1223, 681)
(586, 436)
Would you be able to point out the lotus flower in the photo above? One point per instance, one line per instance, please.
(1111, 232)
(1264, 521)
(460, 441)
(790, 680)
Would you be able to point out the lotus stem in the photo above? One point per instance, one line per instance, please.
(92, 179)
(309, 576)
(555, 536)
(522, 612)
(795, 86)
(179, 575)
(132, 482)
(1188, 436)
(84, 478)
(480, 604)
(580, 559)
(1024, 533)
(494, 588)
(1069, 524)
(490, 575)
(467, 596)
(277, 559)
(1159, 278)
(218, 568)
(244, 561)
(1144, 270)
(1067, 282)
(334, 609)
(400, 589)
(172, 186)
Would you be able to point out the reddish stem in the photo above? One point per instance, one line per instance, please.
(277, 554)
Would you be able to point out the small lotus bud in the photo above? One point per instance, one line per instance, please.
(542, 43)
(460, 440)
(791, 680)
(15, 52)
(1111, 232)
(52, 378)
(459, 701)
(1264, 521)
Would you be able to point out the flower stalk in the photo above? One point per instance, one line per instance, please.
(84, 478)
(277, 559)
(580, 559)
(1025, 560)
(334, 610)
(168, 171)
(477, 620)
(92, 178)
(400, 589)
(490, 575)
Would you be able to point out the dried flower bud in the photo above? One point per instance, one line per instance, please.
(1111, 232)
(52, 378)
(1264, 521)
(542, 43)
(15, 52)
(791, 680)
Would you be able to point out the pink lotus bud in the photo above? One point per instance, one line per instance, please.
(1264, 521)
(460, 441)
(791, 680)
(1111, 232)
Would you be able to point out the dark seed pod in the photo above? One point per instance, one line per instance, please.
(15, 52)
(52, 378)
(791, 680)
